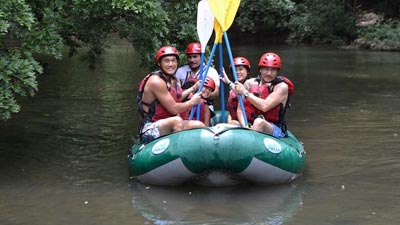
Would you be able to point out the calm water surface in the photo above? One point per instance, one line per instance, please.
(63, 157)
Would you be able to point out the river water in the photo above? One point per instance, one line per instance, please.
(63, 158)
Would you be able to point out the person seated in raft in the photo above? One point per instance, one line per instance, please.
(266, 97)
(205, 111)
(242, 67)
(190, 73)
(159, 99)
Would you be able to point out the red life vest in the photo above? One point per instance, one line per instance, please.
(190, 81)
(277, 114)
(202, 113)
(156, 110)
(233, 102)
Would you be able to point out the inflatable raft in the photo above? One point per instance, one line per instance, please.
(221, 155)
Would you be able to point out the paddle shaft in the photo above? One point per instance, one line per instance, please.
(203, 77)
(205, 19)
(246, 123)
(222, 91)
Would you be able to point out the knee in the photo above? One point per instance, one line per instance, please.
(177, 123)
(257, 124)
(177, 119)
(235, 122)
(197, 124)
(257, 121)
(193, 124)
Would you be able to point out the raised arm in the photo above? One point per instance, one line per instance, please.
(279, 95)
(225, 77)
(158, 89)
(192, 89)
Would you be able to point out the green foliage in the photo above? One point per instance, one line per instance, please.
(264, 15)
(17, 77)
(145, 27)
(21, 35)
(322, 22)
(33, 27)
(384, 36)
(182, 25)
(170, 23)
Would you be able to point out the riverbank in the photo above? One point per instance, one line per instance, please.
(376, 33)
(373, 32)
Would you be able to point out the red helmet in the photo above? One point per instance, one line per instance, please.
(165, 51)
(241, 61)
(209, 82)
(270, 59)
(193, 48)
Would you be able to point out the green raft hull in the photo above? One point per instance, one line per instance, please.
(221, 155)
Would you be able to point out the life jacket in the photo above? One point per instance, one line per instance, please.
(277, 114)
(189, 80)
(156, 111)
(203, 103)
(202, 113)
(233, 102)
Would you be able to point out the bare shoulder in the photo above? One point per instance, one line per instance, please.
(156, 82)
(282, 88)
(156, 86)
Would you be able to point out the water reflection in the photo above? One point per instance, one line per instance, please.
(229, 205)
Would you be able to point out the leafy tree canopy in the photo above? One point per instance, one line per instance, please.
(31, 27)
(264, 15)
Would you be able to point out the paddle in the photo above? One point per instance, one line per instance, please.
(218, 40)
(218, 32)
(224, 12)
(205, 21)
(222, 91)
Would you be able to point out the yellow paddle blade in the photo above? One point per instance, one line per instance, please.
(232, 8)
(219, 10)
(224, 11)
(218, 32)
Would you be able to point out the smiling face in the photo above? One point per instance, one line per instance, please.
(169, 65)
(242, 73)
(268, 74)
(206, 92)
